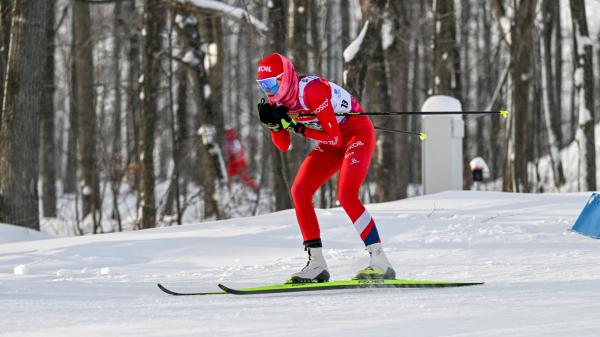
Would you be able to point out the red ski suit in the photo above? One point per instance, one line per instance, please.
(345, 145)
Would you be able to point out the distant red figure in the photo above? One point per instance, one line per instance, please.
(236, 160)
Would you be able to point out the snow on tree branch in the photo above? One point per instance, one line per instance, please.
(354, 47)
(227, 10)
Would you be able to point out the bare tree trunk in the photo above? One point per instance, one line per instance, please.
(355, 67)
(298, 41)
(281, 178)
(314, 25)
(446, 63)
(84, 67)
(6, 7)
(481, 143)
(549, 105)
(315, 33)
(584, 87)
(379, 100)
(446, 73)
(179, 136)
(346, 14)
(421, 73)
(19, 132)
(153, 23)
(489, 148)
(187, 28)
(173, 189)
(214, 35)
(214, 117)
(117, 158)
(557, 80)
(315, 46)
(549, 23)
(70, 176)
(299, 57)
(522, 42)
(48, 151)
(133, 90)
(465, 58)
(392, 167)
(464, 76)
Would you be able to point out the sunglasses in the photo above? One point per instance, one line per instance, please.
(270, 85)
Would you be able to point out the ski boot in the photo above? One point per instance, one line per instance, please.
(315, 269)
(379, 267)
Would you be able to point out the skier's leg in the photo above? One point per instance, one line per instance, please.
(246, 179)
(317, 168)
(353, 172)
(233, 170)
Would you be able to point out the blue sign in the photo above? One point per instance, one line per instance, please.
(588, 222)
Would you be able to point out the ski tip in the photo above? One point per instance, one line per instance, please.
(171, 292)
(227, 289)
(161, 287)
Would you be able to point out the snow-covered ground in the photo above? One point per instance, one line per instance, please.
(541, 279)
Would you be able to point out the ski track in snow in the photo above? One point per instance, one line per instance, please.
(541, 279)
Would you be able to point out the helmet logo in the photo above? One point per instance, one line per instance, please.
(264, 68)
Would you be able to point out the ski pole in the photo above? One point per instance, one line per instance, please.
(503, 113)
(421, 135)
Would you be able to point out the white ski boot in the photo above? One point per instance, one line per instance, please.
(379, 266)
(315, 269)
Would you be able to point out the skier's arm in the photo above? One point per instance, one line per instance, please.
(317, 98)
(281, 139)
(268, 118)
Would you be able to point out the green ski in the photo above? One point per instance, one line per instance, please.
(332, 285)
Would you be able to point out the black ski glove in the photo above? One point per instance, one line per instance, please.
(287, 122)
(266, 113)
(277, 118)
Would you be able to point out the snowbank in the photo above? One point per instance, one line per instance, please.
(10, 233)
(541, 279)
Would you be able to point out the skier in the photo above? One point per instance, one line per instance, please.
(236, 160)
(345, 145)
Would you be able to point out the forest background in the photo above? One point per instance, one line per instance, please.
(114, 112)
